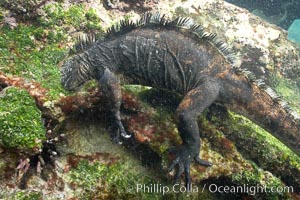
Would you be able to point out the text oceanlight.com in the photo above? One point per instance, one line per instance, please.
(213, 188)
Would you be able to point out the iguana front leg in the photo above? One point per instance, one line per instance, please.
(112, 90)
(192, 105)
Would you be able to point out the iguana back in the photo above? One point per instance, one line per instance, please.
(168, 59)
(176, 55)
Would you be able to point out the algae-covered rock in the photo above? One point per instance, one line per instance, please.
(24, 8)
(94, 166)
(20, 120)
(89, 165)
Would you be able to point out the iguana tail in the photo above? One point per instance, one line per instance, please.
(252, 98)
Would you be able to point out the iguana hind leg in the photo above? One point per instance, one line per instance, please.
(192, 105)
(112, 89)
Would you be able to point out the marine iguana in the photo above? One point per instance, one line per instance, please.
(180, 56)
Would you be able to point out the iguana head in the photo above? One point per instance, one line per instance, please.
(75, 72)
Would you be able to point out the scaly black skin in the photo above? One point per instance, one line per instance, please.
(177, 61)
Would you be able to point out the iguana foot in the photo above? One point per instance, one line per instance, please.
(120, 132)
(184, 156)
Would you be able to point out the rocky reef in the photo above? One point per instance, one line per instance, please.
(66, 151)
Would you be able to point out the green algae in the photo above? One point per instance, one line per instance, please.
(289, 90)
(254, 136)
(243, 150)
(100, 181)
(20, 120)
(262, 184)
(259, 146)
(24, 195)
(34, 51)
(21, 195)
(24, 54)
(76, 16)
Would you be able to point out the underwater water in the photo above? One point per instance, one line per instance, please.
(285, 14)
(294, 31)
(80, 126)
(279, 12)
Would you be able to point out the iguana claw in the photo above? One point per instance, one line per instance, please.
(183, 159)
(202, 162)
(120, 132)
(125, 135)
